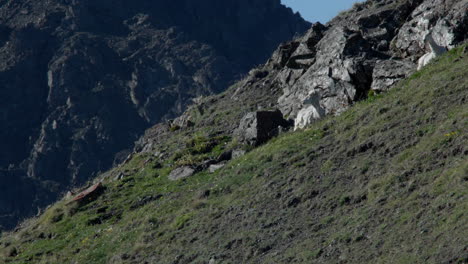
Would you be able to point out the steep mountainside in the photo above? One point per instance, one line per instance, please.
(385, 182)
(226, 182)
(81, 80)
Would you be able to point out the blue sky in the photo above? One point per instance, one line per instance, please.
(319, 10)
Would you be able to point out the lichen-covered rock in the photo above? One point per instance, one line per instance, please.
(181, 173)
(388, 72)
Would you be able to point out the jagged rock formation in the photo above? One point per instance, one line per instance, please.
(370, 47)
(80, 80)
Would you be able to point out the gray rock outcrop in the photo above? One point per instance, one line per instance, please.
(447, 19)
(181, 173)
(388, 72)
(214, 167)
(256, 128)
(371, 47)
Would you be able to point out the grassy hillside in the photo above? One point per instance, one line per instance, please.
(385, 182)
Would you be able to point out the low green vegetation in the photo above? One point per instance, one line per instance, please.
(385, 182)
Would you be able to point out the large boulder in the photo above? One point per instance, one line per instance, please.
(389, 72)
(339, 75)
(258, 127)
(181, 173)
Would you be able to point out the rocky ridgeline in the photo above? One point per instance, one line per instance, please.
(368, 48)
(81, 80)
(360, 53)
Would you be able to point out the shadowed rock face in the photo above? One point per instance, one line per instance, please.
(80, 80)
(258, 127)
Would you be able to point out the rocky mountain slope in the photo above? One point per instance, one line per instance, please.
(229, 181)
(81, 80)
(385, 182)
(367, 49)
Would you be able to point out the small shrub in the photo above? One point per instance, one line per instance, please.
(359, 5)
(182, 220)
(327, 220)
(345, 200)
(186, 160)
(54, 215)
(153, 222)
(199, 145)
(372, 96)
(366, 167)
(174, 128)
(317, 253)
(449, 137)
(71, 209)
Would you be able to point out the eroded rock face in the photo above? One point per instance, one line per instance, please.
(371, 47)
(446, 19)
(339, 63)
(81, 80)
(388, 72)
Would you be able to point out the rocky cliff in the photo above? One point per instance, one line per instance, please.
(80, 80)
(365, 50)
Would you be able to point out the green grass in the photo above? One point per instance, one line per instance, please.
(384, 182)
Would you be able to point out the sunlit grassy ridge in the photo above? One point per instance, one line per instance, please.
(385, 182)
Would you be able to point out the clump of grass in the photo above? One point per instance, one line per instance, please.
(200, 144)
(182, 220)
(174, 128)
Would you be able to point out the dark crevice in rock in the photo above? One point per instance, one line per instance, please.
(4, 34)
(362, 80)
